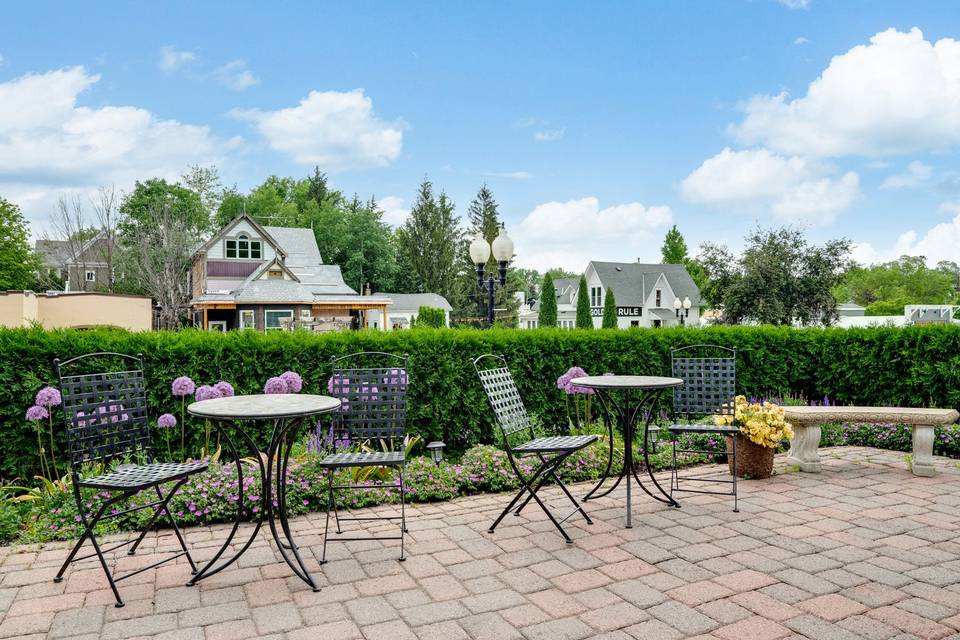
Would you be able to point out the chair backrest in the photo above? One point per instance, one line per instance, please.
(374, 398)
(709, 374)
(105, 413)
(503, 395)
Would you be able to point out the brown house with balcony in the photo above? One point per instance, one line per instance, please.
(250, 276)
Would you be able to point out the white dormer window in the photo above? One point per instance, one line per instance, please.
(244, 248)
(91, 276)
(659, 299)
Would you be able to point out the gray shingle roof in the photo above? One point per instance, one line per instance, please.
(54, 253)
(411, 302)
(632, 282)
(300, 245)
(565, 288)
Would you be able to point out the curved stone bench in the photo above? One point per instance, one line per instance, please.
(806, 423)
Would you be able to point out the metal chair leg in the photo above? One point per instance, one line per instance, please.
(330, 505)
(403, 515)
(736, 506)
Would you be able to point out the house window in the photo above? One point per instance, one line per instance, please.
(596, 296)
(305, 315)
(657, 323)
(659, 299)
(275, 274)
(634, 323)
(248, 319)
(243, 247)
(91, 276)
(273, 318)
(231, 248)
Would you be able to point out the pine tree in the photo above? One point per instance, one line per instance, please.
(548, 302)
(674, 248)
(609, 311)
(584, 319)
(430, 239)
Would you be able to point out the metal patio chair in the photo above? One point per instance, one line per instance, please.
(373, 411)
(513, 420)
(106, 418)
(709, 389)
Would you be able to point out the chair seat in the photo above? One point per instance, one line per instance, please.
(141, 476)
(549, 444)
(376, 458)
(703, 428)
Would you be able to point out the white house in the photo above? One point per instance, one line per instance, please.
(646, 295)
(405, 307)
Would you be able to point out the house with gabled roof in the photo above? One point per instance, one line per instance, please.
(251, 276)
(645, 296)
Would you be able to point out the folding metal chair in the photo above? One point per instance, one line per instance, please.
(106, 417)
(709, 389)
(551, 451)
(374, 407)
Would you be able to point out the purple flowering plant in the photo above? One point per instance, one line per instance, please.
(293, 381)
(582, 415)
(46, 399)
(275, 385)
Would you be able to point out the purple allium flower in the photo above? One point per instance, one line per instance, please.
(564, 382)
(293, 381)
(225, 389)
(36, 412)
(49, 397)
(206, 392)
(183, 386)
(275, 385)
(167, 421)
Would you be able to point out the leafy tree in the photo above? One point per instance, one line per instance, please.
(19, 265)
(548, 302)
(430, 239)
(430, 317)
(584, 319)
(609, 311)
(155, 195)
(528, 281)
(205, 182)
(559, 273)
(779, 279)
(908, 280)
(674, 248)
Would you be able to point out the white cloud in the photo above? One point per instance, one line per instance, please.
(940, 242)
(394, 211)
(171, 59)
(235, 75)
(791, 188)
(865, 253)
(898, 94)
(795, 4)
(549, 135)
(333, 129)
(50, 145)
(513, 175)
(570, 234)
(914, 176)
(800, 40)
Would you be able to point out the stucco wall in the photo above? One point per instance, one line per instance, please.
(19, 309)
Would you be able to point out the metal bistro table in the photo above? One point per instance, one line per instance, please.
(287, 412)
(639, 393)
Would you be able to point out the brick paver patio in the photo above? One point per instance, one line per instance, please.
(863, 550)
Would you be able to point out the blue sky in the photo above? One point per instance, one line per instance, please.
(597, 125)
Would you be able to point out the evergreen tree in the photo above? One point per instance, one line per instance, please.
(18, 263)
(674, 248)
(548, 302)
(430, 239)
(584, 320)
(609, 311)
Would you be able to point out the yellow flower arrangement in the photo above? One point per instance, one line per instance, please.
(762, 424)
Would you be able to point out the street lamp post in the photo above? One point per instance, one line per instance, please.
(502, 249)
(685, 307)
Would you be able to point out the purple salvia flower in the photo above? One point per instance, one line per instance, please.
(275, 385)
(183, 386)
(206, 392)
(225, 389)
(49, 397)
(293, 381)
(37, 412)
(167, 421)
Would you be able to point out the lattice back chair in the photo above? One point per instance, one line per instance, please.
(372, 388)
(514, 423)
(108, 432)
(709, 373)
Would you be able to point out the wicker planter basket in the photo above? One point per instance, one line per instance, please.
(753, 461)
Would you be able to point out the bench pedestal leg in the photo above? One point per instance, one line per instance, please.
(803, 448)
(923, 450)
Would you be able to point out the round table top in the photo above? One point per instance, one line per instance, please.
(627, 382)
(261, 405)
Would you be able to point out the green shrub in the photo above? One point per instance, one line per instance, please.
(430, 317)
(911, 366)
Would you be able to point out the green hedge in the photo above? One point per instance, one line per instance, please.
(916, 366)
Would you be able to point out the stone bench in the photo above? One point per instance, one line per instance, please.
(806, 423)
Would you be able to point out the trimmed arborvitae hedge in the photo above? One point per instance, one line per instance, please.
(915, 366)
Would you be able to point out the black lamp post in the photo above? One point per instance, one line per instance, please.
(480, 249)
(685, 307)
